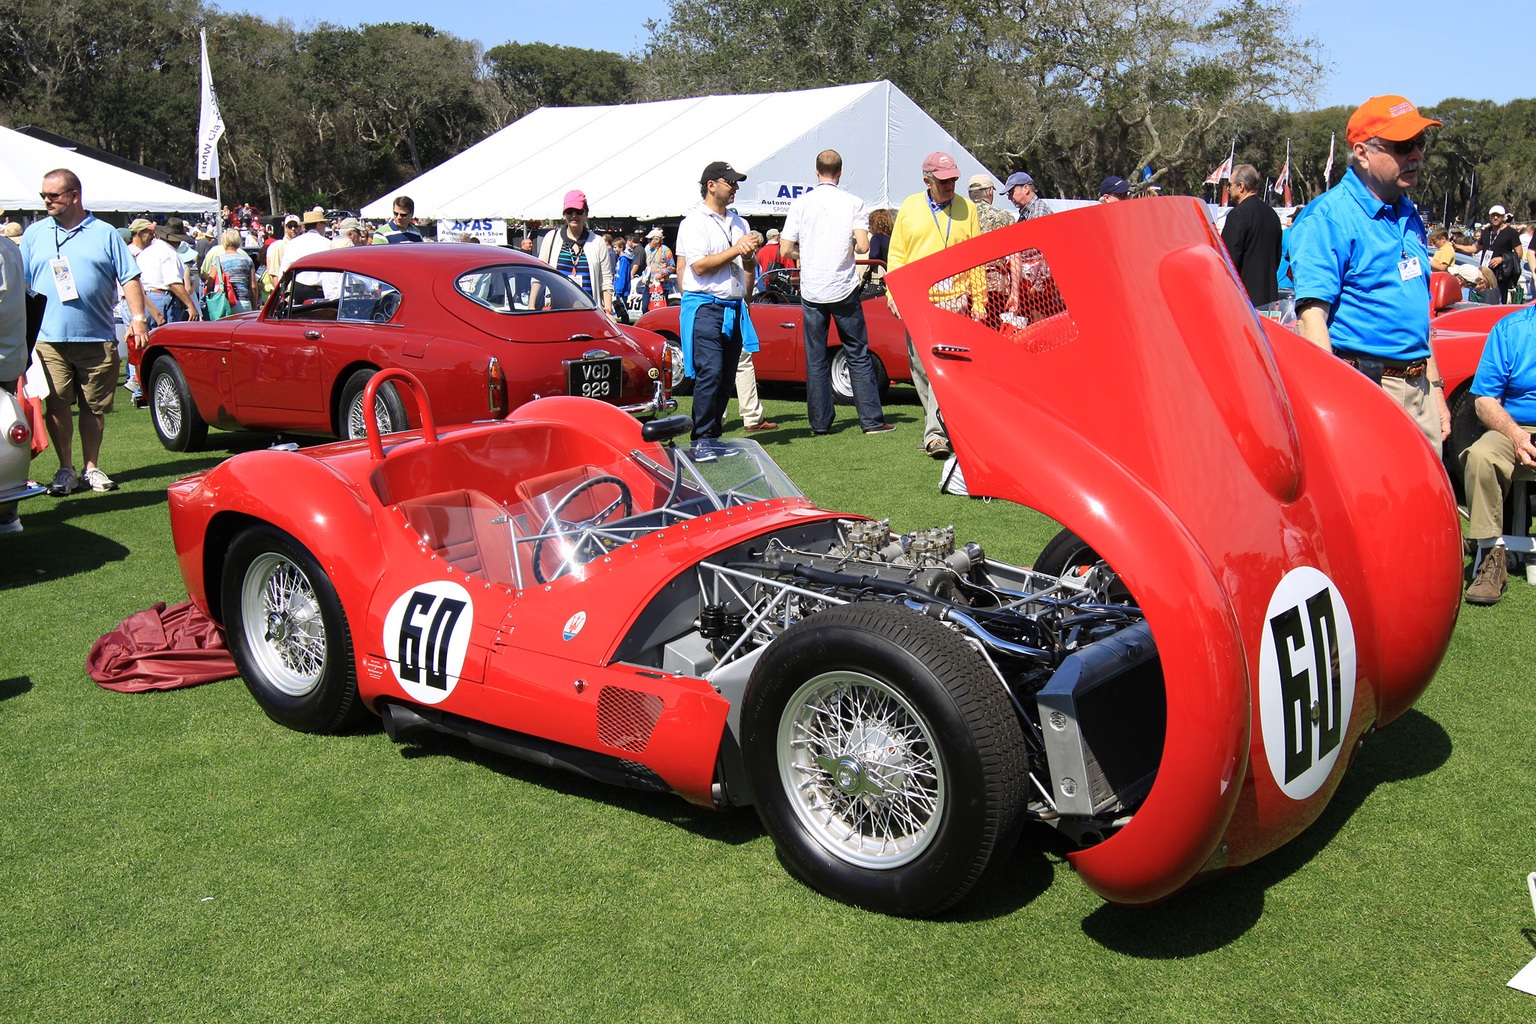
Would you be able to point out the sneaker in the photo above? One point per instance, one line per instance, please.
(64, 482)
(1492, 578)
(938, 448)
(881, 429)
(10, 522)
(96, 480)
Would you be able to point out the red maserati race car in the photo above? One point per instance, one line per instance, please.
(1179, 695)
(484, 328)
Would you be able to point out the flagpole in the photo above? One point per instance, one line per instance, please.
(210, 127)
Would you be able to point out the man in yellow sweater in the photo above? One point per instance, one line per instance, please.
(927, 222)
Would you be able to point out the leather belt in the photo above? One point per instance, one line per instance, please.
(1393, 367)
(158, 291)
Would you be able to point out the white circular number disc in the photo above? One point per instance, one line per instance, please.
(426, 636)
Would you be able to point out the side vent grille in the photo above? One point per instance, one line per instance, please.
(625, 718)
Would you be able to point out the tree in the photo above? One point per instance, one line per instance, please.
(533, 75)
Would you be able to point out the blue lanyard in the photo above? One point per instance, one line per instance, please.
(949, 218)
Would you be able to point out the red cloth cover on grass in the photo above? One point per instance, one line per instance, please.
(161, 648)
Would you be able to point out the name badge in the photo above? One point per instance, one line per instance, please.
(63, 279)
(1409, 269)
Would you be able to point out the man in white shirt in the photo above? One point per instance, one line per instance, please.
(715, 251)
(162, 275)
(825, 228)
(306, 287)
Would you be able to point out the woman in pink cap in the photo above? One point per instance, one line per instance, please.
(580, 253)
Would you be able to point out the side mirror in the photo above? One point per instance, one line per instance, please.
(666, 428)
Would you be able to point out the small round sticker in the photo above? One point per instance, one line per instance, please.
(573, 626)
(426, 636)
(1306, 680)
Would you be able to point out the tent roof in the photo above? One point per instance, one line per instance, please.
(106, 189)
(643, 160)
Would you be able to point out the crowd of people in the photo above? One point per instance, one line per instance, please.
(1357, 260)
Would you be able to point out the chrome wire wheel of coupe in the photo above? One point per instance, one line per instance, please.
(287, 629)
(177, 422)
(388, 408)
(167, 405)
(860, 768)
(284, 630)
(884, 758)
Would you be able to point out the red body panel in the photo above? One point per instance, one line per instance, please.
(1457, 339)
(1204, 481)
(779, 326)
(260, 372)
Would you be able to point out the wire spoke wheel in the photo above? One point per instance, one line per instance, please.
(167, 403)
(284, 630)
(859, 764)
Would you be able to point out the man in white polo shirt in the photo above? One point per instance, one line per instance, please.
(160, 273)
(825, 228)
(715, 250)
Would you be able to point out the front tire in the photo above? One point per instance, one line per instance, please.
(842, 380)
(288, 633)
(177, 422)
(387, 406)
(884, 758)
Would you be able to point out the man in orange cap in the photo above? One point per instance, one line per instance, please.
(1361, 265)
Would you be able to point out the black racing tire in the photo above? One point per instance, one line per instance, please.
(842, 383)
(1065, 551)
(682, 384)
(177, 423)
(289, 634)
(920, 786)
(1466, 428)
(387, 405)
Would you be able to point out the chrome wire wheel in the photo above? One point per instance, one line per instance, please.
(861, 770)
(167, 405)
(357, 424)
(283, 627)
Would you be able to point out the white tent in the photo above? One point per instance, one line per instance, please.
(643, 160)
(104, 188)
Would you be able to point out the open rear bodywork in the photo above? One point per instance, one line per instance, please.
(1288, 534)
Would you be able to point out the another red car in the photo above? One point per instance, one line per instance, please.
(484, 328)
(573, 587)
(776, 316)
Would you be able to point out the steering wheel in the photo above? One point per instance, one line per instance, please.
(586, 545)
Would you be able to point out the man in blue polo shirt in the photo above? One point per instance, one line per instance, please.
(1505, 390)
(78, 262)
(1361, 267)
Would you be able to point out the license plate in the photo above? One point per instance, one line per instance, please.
(595, 378)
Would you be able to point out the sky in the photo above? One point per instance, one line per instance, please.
(1407, 48)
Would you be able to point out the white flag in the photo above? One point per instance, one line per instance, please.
(1328, 171)
(210, 124)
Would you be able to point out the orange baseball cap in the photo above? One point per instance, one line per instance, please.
(1386, 117)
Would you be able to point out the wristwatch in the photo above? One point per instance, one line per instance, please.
(139, 316)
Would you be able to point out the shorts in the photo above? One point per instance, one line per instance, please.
(89, 366)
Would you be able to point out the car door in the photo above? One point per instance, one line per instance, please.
(275, 362)
(776, 316)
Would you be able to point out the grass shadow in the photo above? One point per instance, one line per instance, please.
(15, 686)
(731, 827)
(1212, 915)
(58, 549)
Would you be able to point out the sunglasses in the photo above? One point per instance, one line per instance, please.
(49, 197)
(1406, 146)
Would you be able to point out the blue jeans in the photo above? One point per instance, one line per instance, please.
(849, 314)
(714, 366)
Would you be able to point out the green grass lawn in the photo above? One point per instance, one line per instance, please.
(178, 857)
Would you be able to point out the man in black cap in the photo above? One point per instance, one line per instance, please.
(1021, 192)
(1113, 189)
(715, 249)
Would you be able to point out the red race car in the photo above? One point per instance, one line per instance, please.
(484, 328)
(572, 587)
(776, 316)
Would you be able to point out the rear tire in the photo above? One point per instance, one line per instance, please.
(289, 634)
(177, 422)
(387, 406)
(884, 758)
(842, 381)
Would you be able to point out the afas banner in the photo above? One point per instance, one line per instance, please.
(489, 232)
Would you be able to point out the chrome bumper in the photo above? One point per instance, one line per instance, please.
(661, 402)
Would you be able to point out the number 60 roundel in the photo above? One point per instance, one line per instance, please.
(1306, 680)
(426, 635)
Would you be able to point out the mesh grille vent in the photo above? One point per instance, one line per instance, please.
(625, 718)
(1022, 301)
